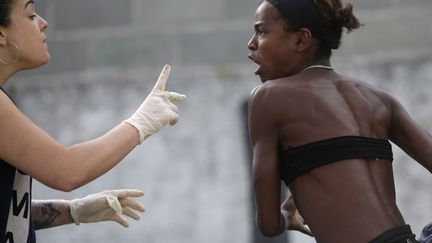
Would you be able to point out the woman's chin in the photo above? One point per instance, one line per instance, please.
(38, 64)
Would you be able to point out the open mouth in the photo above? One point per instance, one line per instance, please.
(256, 62)
(252, 59)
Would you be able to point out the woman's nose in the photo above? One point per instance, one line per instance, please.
(252, 43)
(44, 23)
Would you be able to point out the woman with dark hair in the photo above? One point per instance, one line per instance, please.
(27, 152)
(326, 135)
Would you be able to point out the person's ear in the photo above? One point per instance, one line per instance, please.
(3, 40)
(304, 39)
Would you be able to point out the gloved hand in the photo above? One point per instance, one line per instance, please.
(158, 108)
(107, 206)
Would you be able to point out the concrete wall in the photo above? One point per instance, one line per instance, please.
(84, 35)
(106, 55)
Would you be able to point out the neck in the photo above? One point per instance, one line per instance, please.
(322, 62)
(307, 64)
(318, 66)
(6, 71)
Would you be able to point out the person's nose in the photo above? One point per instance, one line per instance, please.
(252, 45)
(43, 23)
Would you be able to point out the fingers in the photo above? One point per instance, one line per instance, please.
(120, 219)
(119, 199)
(163, 77)
(174, 96)
(161, 83)
(129, 205)
(122, 193)
(132, 203)
(131, 213)
(114, 203)
(173, 114)
(171, 110)
(173, 107)
(306, 231)
(173, 117)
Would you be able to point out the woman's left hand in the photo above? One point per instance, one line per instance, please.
(108, 205)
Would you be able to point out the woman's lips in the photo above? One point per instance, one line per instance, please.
(257, 71)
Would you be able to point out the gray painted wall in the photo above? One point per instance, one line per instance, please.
(105, 58)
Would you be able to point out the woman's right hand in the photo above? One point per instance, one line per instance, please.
(294, 221)
(158, 109)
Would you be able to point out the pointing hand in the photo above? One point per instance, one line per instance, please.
(158, 109)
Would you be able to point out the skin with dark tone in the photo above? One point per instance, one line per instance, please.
(347, 201)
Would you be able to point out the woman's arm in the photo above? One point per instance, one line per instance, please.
(410, 136)
(31, 150)
(265, 168)
(47, 214)
(103, 206)
(26, 147)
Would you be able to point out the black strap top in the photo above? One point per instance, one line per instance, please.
(304, 158)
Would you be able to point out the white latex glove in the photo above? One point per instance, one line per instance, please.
(158, 108)
(107, 206)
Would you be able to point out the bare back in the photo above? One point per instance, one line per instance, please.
(356, 196)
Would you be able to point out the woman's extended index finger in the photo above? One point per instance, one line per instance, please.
(163, 77)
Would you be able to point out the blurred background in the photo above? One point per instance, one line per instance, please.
(106, 55)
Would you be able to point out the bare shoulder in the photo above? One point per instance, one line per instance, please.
(259, 94)
(6, 104)
(256, 101)
(11, 118)
(265, 94)
(263, 102)
(366, 87)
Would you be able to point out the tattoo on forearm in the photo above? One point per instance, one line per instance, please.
(44, 214)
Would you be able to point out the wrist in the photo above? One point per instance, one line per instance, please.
(66, 204)
(141, 135)
(73, 206)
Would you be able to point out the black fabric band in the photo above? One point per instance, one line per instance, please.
(299, 160)
(300, 12)
(399, 234)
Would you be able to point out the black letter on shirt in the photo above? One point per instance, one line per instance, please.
(8, 238)
(23, 204)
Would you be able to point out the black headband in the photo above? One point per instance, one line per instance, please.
(300, 12)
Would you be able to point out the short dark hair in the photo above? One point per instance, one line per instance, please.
(5, 12)
(333, 16)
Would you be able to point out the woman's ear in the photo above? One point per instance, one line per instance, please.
(3, 40)
(304, 39)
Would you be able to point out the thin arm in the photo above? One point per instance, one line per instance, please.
(47, 214)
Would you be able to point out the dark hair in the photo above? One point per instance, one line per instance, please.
(5, 12)
(332, 17)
